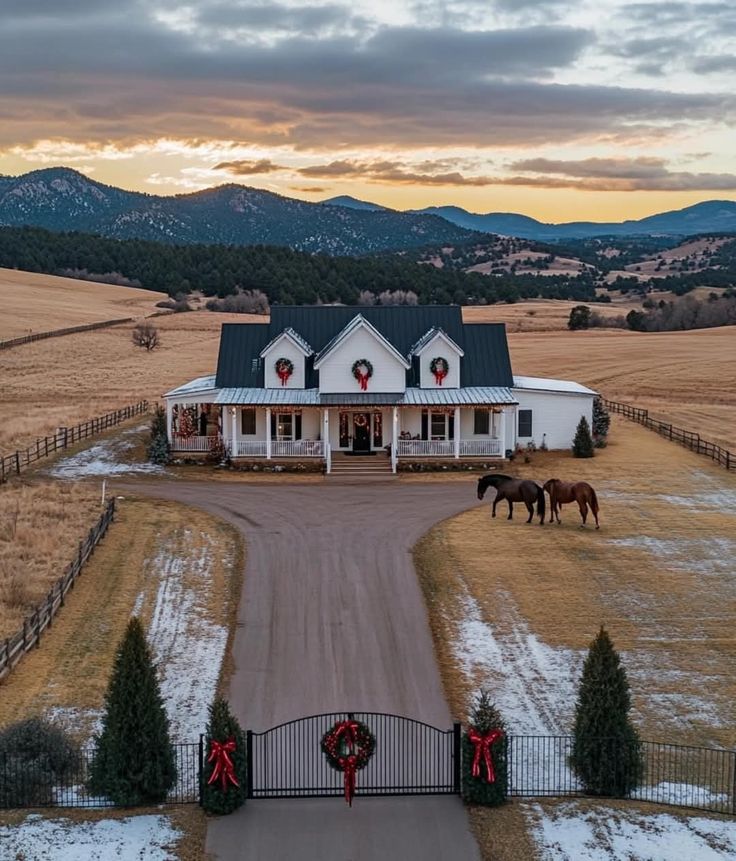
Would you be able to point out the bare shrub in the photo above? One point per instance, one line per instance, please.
(145, 334)
(178, 304)
(398, 297)
(100, 277)
(366, 297)
(241, 302)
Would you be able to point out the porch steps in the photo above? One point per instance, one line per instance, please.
(344, 466)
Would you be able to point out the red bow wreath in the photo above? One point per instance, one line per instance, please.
(224, 770)
(482, 747)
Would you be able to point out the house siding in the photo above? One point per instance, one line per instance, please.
(555, 416)
(438, 346)
(336, 375)
(286, 348)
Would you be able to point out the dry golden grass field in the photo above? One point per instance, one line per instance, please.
(659, 574)
(32, 302)
(41, 525)
(542, 315)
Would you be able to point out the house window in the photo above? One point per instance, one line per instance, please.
(286, 426)
(438, 426)
(481, 422)
(248, 421)
(525, 423)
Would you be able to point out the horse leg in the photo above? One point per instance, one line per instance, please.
(530, 509)
(583, 506)
(551, 508)
(511, 509)
(495, 503)
(558, 510)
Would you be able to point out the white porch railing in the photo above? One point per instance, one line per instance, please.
(249, 448)
(425, 448)
(191, 443)
(446, 448)
(480, 447)
(297, 448)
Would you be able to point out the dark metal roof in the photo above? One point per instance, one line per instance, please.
(486, 361)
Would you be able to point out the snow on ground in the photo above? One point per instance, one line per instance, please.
(711, 494)
(706, 555)
(534, 685)
(187, 647)
(105, 458)
(131, 839)
(569, 833)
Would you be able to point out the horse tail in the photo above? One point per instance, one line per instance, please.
(593, 502)
(540, 503)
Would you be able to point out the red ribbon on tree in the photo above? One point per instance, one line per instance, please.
(482, 747)
(224, 770)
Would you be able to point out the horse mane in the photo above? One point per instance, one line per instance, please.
(493, 478)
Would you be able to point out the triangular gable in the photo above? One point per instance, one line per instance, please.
(426, 340)
(292, 336)
(359, 322)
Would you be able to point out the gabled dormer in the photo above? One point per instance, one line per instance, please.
(285, 361)
(438, 359)
(360, 359)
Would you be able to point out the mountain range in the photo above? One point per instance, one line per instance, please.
(63, 199)
(710, 216)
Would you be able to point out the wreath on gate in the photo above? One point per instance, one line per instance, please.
(440, 367)
(348, 745)
(362, 371)
(284, 369)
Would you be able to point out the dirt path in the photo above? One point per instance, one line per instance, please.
(332, 618)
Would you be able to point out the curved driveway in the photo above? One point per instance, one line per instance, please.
(332, 618)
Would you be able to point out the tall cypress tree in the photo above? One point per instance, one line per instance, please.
(134, 759)
(223, 727)
(484, 718)
(606, 753)
(582, 445)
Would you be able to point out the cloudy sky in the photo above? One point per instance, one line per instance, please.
(600, 109)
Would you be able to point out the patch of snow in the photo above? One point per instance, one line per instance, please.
(683, 794)
(105, 458)
(704, 555)
(84, 724)
(187, 647)
(130, 839)
(568, 833)
(533, 685)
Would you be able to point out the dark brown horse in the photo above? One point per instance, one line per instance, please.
(581, 492)
(514, 490)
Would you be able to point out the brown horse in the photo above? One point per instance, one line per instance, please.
(581, 492)
(514, 490)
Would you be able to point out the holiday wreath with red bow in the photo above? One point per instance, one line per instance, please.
(440, 367)
(362, 371)
(284, 369)
(348, 745)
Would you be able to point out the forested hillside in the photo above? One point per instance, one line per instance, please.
(285, 276)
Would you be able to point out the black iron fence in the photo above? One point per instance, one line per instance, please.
(698, 777)
(40, 780)
(411, 758)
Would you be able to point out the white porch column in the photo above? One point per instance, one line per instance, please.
(456, 440)
(503, 433)
(326, 438)
(233, 431)
(268, 433)
(394, 437)
(169, 422)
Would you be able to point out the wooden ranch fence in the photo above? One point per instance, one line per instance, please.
(690, 440)
(57, 333)
(14, 648)
(13, 464)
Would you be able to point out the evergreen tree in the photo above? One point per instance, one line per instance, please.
(223, 727)
(158, 422)
(601, 422)
(582, 445)
(579, 318)
(484, 718)
(134, 759)
(606, 753)
(159, 450)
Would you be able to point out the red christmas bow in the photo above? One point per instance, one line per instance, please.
(439, 374)
(482, 745)
(348, 728)
(224, 769)
(362, 379)
(349, 768)
(284, 373)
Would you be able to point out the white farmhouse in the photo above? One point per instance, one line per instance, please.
(398, 383)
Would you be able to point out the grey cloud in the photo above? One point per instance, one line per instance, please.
(395, 172)
(716, 63)
(275, 16)
(619, 168)
(244, 167)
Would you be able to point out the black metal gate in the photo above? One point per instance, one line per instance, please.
(411, 758)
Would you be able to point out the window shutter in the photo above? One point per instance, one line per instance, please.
(425, 423)
(297, 426)
(451, 426)
(273, 425)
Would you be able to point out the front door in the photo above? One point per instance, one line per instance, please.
(361, 432)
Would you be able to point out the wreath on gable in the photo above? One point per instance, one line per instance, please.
(284, 369)
(362, 371)
(440, 367)
(348, 745)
